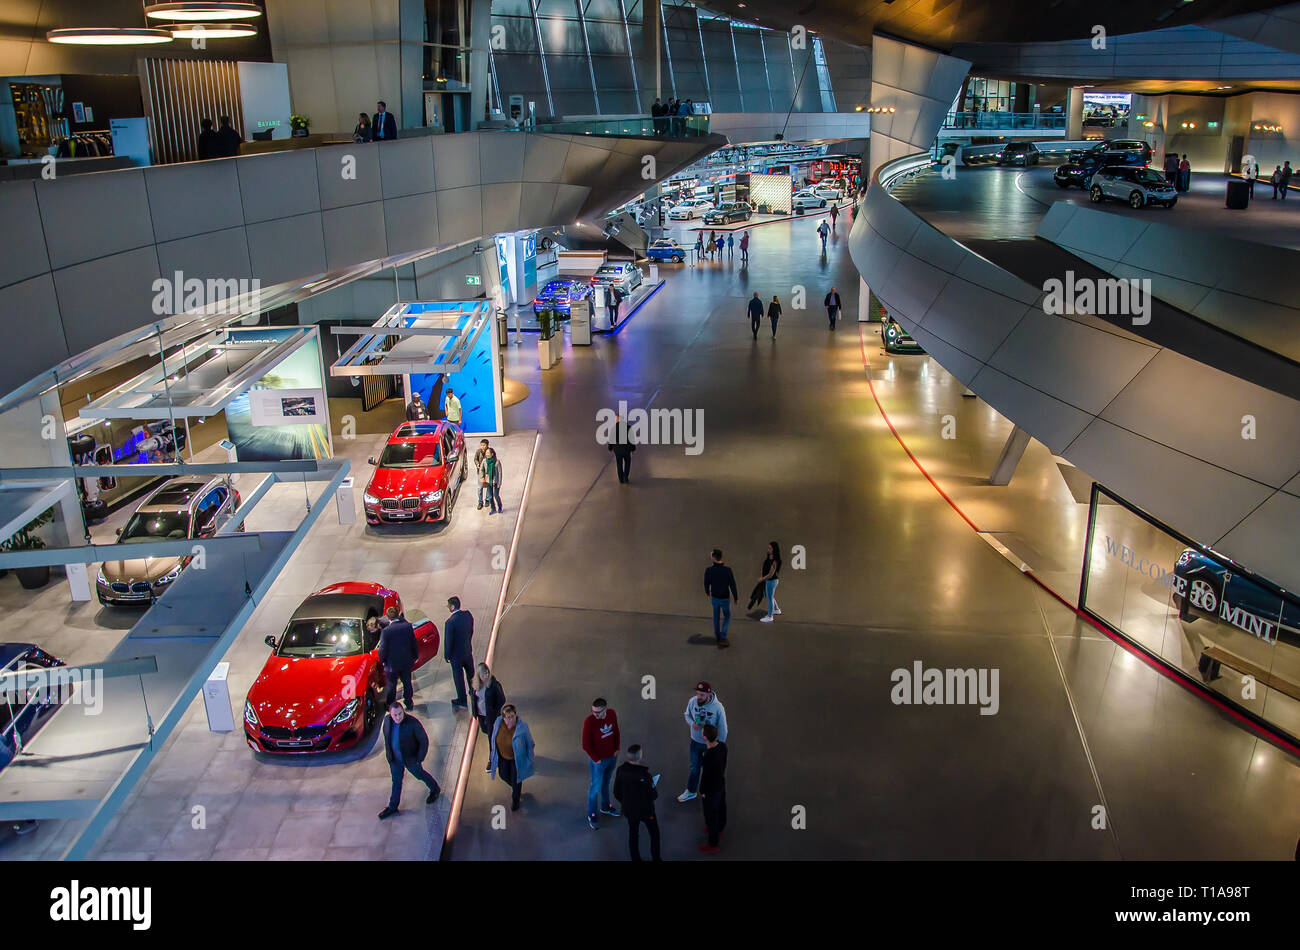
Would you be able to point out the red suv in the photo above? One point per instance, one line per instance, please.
(418, 475)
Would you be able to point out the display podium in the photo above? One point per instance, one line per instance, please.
(580, 323)
(216, 700)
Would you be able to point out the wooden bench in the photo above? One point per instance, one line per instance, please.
(1261, 675)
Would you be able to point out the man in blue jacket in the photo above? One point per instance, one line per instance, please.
(384, 124)
(458, 648)
(405, 744)
(398, 653)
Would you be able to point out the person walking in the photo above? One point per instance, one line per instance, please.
(771, 577)
(513, 752)
(719, 585)
(398, 653)
(615, 301)
(405, 745)
(383, 124)
(823, 229)
(451, 408)
(702, 709)
(1185, 175)
(718, 242)
(209, 141)
(634, 787)
(601, 741)
(1250, 172)
(755, 313)
(489, 697)
(744, 248)
(491, 480)
(731, 247)
(458, 648)
(832, 303)
(699, 245)
(835, 213)
(363, 131)
(622, 447)
(478, 469)
(774, 313)
(713, 787)
(416, 410)
(1284, 182)
(1171, 168)
(1275, 179)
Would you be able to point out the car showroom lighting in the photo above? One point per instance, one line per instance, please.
(211, 31)
(889, 109)
(108, 36)
(1149, 125)
(202, 12)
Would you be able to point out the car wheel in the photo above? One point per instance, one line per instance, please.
(371, 715)
(1136, 200)
(1202, 595)
(1170, 203)
(1062, 184)
(823, 204)
(1095, 194)
(678, 258)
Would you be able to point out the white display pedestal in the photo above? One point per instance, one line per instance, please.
(580, 323)
(216, 700)
(79, 582)
(347, 506)
(654, 273)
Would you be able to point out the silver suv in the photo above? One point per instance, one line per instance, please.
(1137, 185)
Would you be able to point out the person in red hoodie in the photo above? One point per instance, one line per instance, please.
(600, 740)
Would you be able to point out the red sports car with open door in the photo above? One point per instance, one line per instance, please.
(418, 475)
(322, 688)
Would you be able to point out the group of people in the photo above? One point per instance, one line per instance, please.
(756, 313)
(381, 128)
(715, 242)
(221, 142)
(417, 410)
(669, 118)
(487, 467)
(1178, 171)
(720, 587)
(636, 789)
(1280, 179)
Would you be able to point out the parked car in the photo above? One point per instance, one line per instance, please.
(25, 712)
(832, 191)
(896, 339)
(666, 249)
(1128, 151)
(726, 213)
(189, 506)
(322, 687)
(559, 295)
(418, 475)
(1139, 186)
(803, 200)
(1019, 153)
(1220, 589)
(625, 276)
(690, 208)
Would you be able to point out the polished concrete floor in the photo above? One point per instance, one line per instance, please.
(606, 600)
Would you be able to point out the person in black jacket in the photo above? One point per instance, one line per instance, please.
(489, 696)
(720, 585)
(416, 410)
(832, 304)
(774, 313)
(755, 313)
(383, 125)
(228, 140)
(405, 744)
(458, 648)
(398, 653)
(209, 141)
(713, 787)
(622, 447)
(634, 787)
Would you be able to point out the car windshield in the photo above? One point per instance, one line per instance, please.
(1017, 148)
(1149, 176)
(414, 454)
(333, 636)
(156, 526)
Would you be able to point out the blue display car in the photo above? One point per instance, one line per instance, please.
(1220, 589)
(559, 295)
(24, 713)
(666, 249)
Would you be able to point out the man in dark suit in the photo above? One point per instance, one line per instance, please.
(209, 140)
(398, 652)
(406, 744)
(713, 787)
(384, 124)
(622, 447)
(458, 648)
(634, 787)
(228, 140)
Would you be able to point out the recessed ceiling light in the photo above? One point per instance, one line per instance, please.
(211, 31)
(202, 12)
(108, 36)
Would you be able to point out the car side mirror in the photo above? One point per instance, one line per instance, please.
(372, 460)
(119, 532)
(270, 641)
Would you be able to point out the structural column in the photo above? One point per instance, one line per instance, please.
(1074, 114)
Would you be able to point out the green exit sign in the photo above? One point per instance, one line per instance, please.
(473, 280)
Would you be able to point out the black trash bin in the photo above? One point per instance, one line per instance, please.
(1238, 194)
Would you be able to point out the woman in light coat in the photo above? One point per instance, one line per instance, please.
(512, 752)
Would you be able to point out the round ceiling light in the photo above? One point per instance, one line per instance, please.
(202, 12)
(211, 31)
(108, 36)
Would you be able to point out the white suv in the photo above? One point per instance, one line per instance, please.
(1136, 184)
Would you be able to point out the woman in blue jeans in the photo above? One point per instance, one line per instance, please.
(771, 577)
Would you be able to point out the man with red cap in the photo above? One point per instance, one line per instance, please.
(703, 709)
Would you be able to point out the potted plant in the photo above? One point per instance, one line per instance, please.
(27, 539)
(548, 352)
(300, 124)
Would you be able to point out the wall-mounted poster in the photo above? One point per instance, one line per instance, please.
(285, 415)
(287, 407)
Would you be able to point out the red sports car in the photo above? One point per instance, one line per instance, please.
(322, 688)
(418, 475)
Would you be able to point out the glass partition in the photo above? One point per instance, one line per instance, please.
(1197, 610)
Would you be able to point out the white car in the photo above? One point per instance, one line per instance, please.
(626, 277)
(690, 208)
(806, 199)
(832, 192)
(1136, 184)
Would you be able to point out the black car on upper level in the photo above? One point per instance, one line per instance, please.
(1019, 153)
(1115, 152)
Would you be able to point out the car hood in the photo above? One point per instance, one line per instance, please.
(396, 482)
(139, 569)
(299, 691)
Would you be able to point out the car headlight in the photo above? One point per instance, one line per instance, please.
(101, 579)
(250, 716)
(346, 712)
(369, 499)
(430, 497)
(171, 575)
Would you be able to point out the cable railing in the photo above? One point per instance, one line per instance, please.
(688, 126)
(1004, 120)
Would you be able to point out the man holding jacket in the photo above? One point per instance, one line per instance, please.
(458, 648)
(634, 787)
(405, 744)
(398, 653)
(832, 303)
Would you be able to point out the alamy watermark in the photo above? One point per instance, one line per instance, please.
(58, 685)
(921, 686)
(651, 427)
(214, 295)
(1111, 296)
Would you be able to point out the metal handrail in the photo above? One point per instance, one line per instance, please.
(1004, 120)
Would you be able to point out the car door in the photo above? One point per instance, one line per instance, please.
(426, 641)
(204, 521)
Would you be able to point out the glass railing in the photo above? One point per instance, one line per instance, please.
(1004, 120)
(690, 126)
